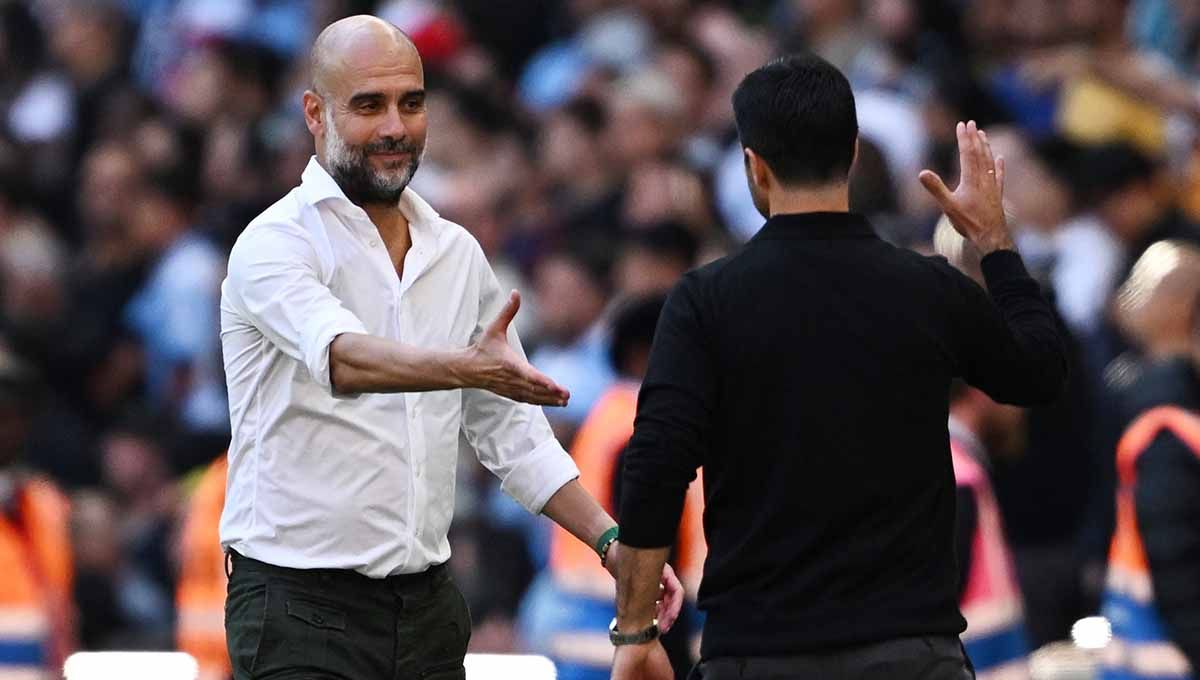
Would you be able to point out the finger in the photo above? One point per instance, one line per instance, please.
(538, 381)
(536, 398)
(976, 155)
(937, 188)
(547, 395)
(989, 161)
(1000, 174)
(671, 599)
(500, 325)
(966, 167)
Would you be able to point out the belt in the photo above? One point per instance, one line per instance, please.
(235, 561)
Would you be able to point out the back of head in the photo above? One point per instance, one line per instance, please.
(798, 114)
(1154, 306)
(1113, 167)
(633, 334)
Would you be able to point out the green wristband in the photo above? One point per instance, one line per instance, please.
(605, 538)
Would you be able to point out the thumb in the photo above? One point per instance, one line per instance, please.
(500, 325)
(936, 188)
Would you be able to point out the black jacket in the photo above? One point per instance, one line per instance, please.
(809, 374)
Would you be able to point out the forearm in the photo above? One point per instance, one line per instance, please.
(1134, 74)
(1029, 366)
(364, 363)
(574, 509)
(638, 574)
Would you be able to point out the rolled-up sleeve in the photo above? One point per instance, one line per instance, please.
(275, 282)
(512, 440)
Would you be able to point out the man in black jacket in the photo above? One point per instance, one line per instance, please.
(1159, 310)
(809, 374)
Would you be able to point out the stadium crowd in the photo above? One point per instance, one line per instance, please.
(589, 146)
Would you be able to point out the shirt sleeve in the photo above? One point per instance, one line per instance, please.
(671, 432)
(1168, 516)
(513, 440)
(275, 281)
(1009, 341)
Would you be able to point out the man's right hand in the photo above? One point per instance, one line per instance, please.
(492, 364)
(975, 208)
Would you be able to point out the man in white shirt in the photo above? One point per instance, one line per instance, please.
(360, 353)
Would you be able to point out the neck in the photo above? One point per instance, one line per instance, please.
(388, 219)
(825, 198)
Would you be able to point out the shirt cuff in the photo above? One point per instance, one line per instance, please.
(539, 475)
(1003, 265)
(316, 354)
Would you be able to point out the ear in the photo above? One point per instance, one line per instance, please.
(758, 171)
(854, 159)
(314, 107)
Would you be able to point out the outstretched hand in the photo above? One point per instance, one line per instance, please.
(975, 207)
(498, 368)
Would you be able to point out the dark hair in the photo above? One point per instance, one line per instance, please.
(588, 113)
(177, 183)
(668, 239)
(798, 114)
(1064, 160)
(634, 327)
(1114, 167)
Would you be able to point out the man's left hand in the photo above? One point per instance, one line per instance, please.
(670, 599)
(647, 661)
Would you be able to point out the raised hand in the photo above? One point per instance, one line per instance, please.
(975, 208)
(496, 366)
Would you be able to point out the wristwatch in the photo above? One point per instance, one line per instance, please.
(645, 635)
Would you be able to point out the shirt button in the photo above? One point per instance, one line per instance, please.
(374, 243)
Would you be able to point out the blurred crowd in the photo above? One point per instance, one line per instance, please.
(589, 146)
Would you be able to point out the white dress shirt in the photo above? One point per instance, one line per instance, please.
(365, 482)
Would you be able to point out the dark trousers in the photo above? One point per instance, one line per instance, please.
(916, 658)
(329, 624)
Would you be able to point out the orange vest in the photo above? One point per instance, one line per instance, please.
(995, 639)
(36, 610)
(1140, 647)
(596, 450)
(577, 573)
(200, 596)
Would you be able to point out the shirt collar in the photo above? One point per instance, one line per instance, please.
(816, 226)
(318, 185)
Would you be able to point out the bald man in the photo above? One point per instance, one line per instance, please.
(365, 339)
(1153, 584)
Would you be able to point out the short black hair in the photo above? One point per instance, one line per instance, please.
(1113, 167)
(667, 239)
(798, 114)
(633, 327)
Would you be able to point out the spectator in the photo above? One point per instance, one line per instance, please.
(653, 259)
(1152, 590)
(174, 315)
(572, 289)
(1133, 195)
(35, 552)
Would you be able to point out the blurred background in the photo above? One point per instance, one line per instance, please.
(589, 146)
